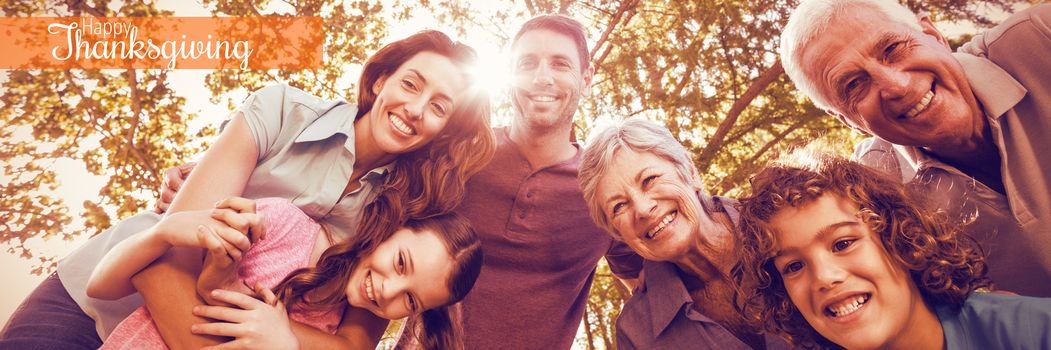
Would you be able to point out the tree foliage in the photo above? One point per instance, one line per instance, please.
(707, 69)
(126, 125)
(353, 30)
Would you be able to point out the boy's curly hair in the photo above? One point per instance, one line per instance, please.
(945, 264)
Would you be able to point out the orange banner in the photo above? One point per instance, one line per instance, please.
(161, 42)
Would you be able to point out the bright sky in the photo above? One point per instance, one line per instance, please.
(78, 186)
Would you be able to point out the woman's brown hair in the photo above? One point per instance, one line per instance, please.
(420, 192)
(945, 264)
(434, 175)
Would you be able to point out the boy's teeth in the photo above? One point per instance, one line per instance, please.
(848, 306)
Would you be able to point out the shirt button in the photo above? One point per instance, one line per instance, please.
(529, 194)
(521, 214)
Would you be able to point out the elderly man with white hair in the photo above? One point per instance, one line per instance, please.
(973, 124)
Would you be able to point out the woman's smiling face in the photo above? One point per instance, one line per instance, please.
(649, 205)
(414, 103)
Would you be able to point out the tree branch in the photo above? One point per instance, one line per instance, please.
(563, 6)
(613, 23)
(751, 165)
(587, 327)
(530, 7)
(690, 67)
(715, 142)
(78, 6)
(136, 109)
(729, 62)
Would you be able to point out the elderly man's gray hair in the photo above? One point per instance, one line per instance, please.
(639, 135)
(809, 20)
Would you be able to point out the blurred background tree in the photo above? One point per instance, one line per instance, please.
(707, 69)
(126, 125)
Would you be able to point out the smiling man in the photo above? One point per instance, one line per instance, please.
(540, 245)
(973, 124)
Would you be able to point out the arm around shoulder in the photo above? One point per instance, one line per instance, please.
(623, 262)
(111, 278)
(1017, 32)
(880, 155)
(168, 286)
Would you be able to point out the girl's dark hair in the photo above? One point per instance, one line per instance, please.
(326, 282)
(945, 264)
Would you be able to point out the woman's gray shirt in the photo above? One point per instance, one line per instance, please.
(306, 155)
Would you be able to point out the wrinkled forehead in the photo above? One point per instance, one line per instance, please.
(625, 165)
(848, 38)
(608, 174)
(842, 30)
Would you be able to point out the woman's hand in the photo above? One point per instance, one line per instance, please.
(255, 324)
(220, 265)
(198, 229)
(248, 222)
(173, 179)
(168, 285)
(219, 271)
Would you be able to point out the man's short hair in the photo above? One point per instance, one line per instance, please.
(810, 19)
(562, 25)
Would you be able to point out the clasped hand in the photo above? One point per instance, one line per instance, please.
(225, 232)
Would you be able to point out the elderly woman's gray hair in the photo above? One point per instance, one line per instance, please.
(639, 135)
(809, 20)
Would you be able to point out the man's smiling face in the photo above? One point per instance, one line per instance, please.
(548, 79)
(886, 78)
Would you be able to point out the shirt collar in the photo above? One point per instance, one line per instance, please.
(379, 172)
(503, 139)
(728, 206)
(995, 88)
(665, 292)
(338, 118)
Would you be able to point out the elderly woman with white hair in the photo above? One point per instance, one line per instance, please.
(641, 186)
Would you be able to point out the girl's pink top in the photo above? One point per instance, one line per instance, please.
(290, 238)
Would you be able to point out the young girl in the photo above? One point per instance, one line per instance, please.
(393, 268)
(845, 258)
